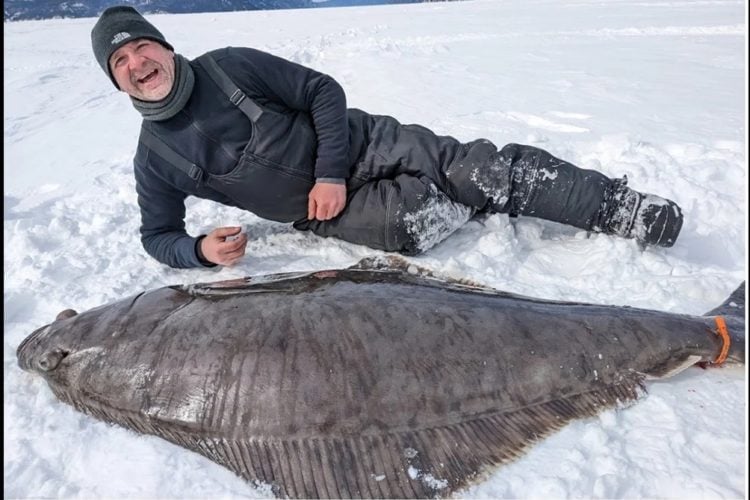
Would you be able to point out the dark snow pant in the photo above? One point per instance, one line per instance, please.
(410, 188)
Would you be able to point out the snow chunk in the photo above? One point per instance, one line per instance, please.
(428, 479)
(435, 219)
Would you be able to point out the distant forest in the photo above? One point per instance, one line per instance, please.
(16, 10)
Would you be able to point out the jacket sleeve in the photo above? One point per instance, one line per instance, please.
(303, 89)
(163, 221)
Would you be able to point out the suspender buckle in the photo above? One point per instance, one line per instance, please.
(237, 97)
(195, 173)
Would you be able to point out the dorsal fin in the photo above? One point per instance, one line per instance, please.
(397, 263)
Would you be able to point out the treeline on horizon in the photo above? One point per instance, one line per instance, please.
(19, 10)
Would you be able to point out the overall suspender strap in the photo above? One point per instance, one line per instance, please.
(236, 97)
(233, 92)
(178, 161)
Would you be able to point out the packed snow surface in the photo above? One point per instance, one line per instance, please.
(654, 90)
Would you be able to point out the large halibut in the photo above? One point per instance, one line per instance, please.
(363, 382)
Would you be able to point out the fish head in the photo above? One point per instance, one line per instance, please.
(101, 356)
(70, 354)
(47, 350)
(33, 354)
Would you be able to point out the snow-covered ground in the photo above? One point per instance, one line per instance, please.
(652, 89)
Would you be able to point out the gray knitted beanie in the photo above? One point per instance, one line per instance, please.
(117, 26)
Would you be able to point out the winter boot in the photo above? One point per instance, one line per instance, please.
(649, 219)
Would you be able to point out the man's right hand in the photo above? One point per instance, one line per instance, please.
(218, 249)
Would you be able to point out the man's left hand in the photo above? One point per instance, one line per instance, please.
(326, 201)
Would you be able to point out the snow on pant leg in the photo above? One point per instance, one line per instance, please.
(549, 188)
(518, 179)
(525, 180)
(406, 214)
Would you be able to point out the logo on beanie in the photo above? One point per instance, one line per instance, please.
(123, 35)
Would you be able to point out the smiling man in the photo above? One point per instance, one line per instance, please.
(248, 129)
(152, 80)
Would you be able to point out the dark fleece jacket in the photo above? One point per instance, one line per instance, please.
(211, 132)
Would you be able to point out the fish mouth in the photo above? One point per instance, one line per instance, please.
(31, 360)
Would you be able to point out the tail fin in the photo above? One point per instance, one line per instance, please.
(733, 306)
(733, 312)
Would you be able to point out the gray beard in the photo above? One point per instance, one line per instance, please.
(166, 108)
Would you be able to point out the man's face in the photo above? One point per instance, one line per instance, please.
(144, 69)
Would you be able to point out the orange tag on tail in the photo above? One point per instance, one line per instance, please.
(721, 331)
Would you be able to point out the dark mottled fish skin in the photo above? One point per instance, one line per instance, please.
(361, 382)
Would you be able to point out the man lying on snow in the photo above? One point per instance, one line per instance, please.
(251, 130)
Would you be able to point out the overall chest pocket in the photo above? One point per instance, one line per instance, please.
(268, 189)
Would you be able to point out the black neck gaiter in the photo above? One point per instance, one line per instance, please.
(177, 97)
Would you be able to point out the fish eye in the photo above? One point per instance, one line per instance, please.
(51, 360)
